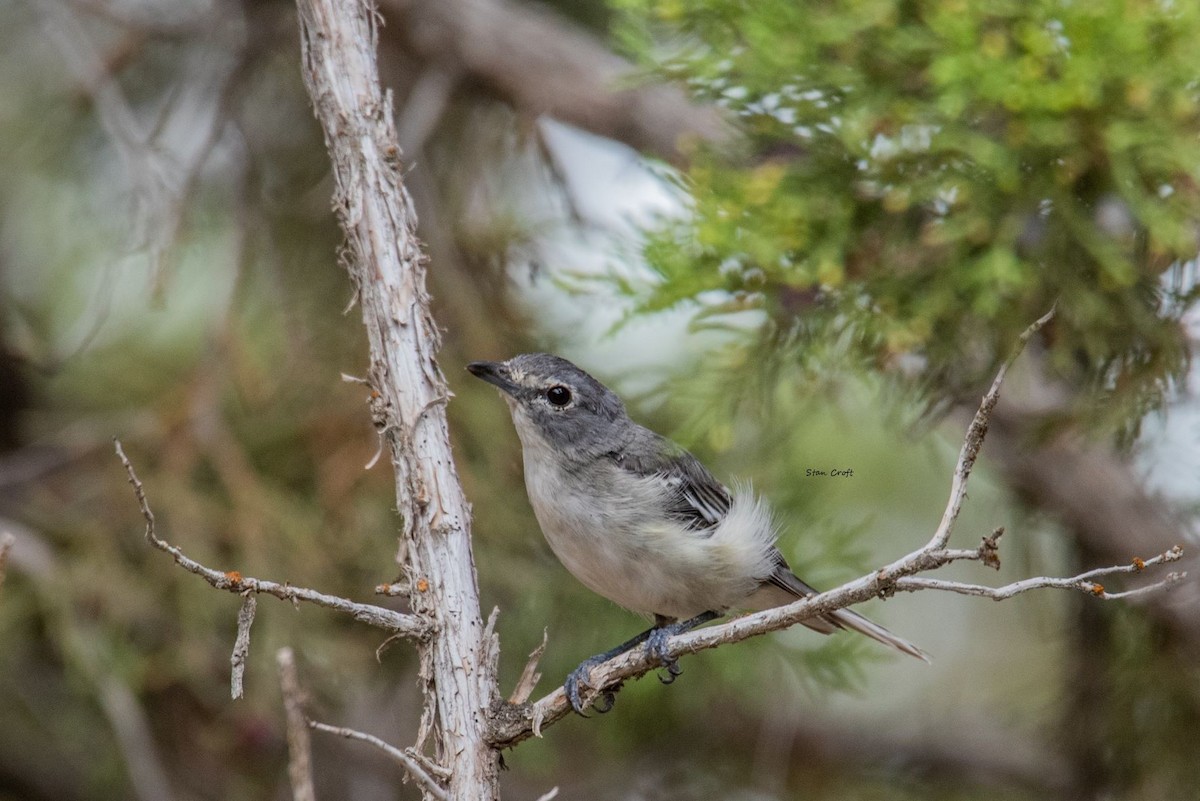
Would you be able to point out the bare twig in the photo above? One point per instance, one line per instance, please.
(414, 769)
(512, 723)
(299, 745)
(241, 645)
(530, 676)
(1084, 582)
(232, 581)
(974, 439)
(6, 544)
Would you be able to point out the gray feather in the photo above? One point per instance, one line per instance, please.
(695, 498)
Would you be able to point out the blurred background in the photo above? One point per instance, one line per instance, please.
(794, 235)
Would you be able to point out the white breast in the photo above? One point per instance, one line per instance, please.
(605, 526)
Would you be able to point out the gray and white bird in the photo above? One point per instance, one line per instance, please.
(641, 521)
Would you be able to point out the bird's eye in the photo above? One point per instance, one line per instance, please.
(558, 395)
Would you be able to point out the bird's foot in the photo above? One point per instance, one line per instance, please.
(656, 646)
(580, 678)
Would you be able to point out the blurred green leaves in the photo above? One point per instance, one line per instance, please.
(936, 174)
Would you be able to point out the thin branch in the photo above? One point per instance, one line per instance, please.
(530, 676)
(410, 765)
(974, 438)
(232, 581)
(510, 724)
(241, 645)
(1083, 582)
(299, 744)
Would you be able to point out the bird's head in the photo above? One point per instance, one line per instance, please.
(552, 399)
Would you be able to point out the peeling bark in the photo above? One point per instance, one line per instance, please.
(386, 265)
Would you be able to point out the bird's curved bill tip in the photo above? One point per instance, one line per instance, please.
(493, 373)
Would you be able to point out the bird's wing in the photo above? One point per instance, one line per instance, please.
(695, 498)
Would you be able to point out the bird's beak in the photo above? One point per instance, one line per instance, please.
(494, 373)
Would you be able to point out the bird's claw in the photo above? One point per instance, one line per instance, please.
(579, 678)
(656, 646)
(609, 699)
(673, 671)
(575, 678)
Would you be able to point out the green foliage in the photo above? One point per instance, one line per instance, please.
(932, 176)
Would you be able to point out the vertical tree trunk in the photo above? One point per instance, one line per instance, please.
(385, 262)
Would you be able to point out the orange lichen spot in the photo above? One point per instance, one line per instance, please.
(376, 394)
(1139, 563)
(234, 576)
(1097, 590)
(422, 585)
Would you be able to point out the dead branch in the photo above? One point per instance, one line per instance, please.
(232, 581)
(1084, 582)
(241, 645)
(513, 723)
(530, 675)
(387, 267)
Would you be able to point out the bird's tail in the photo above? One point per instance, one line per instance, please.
(784, 586)
(844, 618)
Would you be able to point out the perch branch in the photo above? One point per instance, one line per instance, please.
(233, 581)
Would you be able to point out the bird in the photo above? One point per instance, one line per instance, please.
(639, 520)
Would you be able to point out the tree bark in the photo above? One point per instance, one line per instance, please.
(386, 265)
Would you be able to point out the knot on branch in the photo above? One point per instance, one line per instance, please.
(504, 717)
(989, 549)
(885, 584)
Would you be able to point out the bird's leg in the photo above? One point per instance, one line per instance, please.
(581, 675)
(656, 643)
(656, 640)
